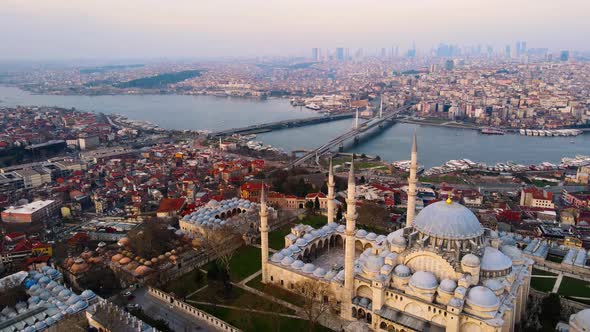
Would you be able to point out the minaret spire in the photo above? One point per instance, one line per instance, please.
(412, 181)
(331, 185)
(349, 249)
(264, 234)
(381, 107)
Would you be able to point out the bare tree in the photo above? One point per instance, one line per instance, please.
(318, 300)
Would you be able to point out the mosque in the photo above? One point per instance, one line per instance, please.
(442, 272)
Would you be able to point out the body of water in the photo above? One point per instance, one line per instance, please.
(169, 111)
(436, 144)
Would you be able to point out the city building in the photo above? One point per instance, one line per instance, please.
(536, 198)
(442, 272)
(31, 212)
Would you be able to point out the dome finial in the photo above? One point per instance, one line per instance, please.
(449, 200)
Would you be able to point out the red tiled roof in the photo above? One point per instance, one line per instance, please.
(171, 204)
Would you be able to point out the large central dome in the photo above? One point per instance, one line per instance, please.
(448, 220)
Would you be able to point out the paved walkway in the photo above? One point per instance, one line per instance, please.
(269, 248)
(195, 292)
(543, 276)
(557, 283)
(247, 280)
(244, 309)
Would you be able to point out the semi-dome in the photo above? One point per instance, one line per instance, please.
(373, 263)
(448, 285)
(494, 284)
(402, 271)
(481, 296)
(397, 238)
(449, 221)
(494, 260)
(581, 319)
(423, 280)
(470, 260)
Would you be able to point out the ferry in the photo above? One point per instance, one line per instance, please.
(551, 133)
(492, 131)
(523, 131)
(313, 106)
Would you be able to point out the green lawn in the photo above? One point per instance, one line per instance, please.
(543, 284)
(315, 221)
(276, 238)
(259, 322)
(543, 272)
(187, 283)
(276, 291)
(248, 321)
(574, 287)
(246, 261)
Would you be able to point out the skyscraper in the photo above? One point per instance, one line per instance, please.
(507, 51)
(340, 54)
(564, 55)
(518, 48)
(315, 54)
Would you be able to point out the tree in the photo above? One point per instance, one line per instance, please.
(339, 213)
(362, 180)
(316, 204)
(318, 299)
(378, 158)
(309, 206)
(373, 215)
(551, 308)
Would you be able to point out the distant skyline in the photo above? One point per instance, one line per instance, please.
(108, 29)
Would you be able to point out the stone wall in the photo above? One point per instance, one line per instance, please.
(188, 309)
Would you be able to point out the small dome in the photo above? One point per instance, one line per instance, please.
(123, 242)
(423, 280)
(308, 268)
(301, 242)
(308, 237)
(482, 297)
(287, 261)
(340, 228)
(581, 318)
(297, 265)
(495, 260)
(448, 221)
(448, 285)
(470, 260)
(277, 258)
(330, 275)
(142, 270)
(116, 258)
(87, 294)
(361, 233)
(371, 236)
(402, 271)
(286, 252)
(294, 249)
(124, 261)
(319, 272)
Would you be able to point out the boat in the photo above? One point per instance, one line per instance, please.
(313, 106)
(523, 132)
(492, 131)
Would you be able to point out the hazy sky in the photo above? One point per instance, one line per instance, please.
(61, 29)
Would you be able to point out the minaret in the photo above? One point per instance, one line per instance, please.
(356, 119)
(264, 234)
(331, 185)
(349, 246)
(381, 108)
(412, 180)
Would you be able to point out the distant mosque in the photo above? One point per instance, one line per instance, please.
(442, 272)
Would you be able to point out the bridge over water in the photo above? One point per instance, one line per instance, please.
(282, 124)
(351, 134)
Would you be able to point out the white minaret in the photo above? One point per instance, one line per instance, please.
(381, 107)
(412, 180)
(331, 185)
(349, 246)
(356, 119)
(264, 234)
